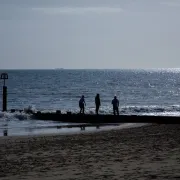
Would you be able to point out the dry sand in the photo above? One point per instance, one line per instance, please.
(149, 152)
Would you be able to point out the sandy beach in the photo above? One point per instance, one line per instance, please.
(148, 152)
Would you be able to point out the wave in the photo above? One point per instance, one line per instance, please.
(131, 110)
(173, 110)
(150, 109)
(7, 116)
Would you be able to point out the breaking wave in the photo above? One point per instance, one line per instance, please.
(173, 110)
(11, 116)
(132, 110)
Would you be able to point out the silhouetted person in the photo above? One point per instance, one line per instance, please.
(97, 103)
(82, 104)
(115, 103)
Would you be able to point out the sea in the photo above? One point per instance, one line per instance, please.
(140, 92)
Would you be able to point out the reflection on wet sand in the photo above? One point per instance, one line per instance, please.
(66, 128)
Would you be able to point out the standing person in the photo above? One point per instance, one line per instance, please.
(97, 103)
(82, 104)
(115, 103)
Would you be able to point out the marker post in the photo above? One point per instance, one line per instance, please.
(4, 76)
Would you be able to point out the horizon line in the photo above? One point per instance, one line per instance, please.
(87, 68)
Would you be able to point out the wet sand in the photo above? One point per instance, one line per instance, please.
(149, 152)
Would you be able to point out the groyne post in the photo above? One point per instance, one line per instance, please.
(5, 132)
(4, 76)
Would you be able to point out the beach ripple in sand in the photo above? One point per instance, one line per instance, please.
(150, 152)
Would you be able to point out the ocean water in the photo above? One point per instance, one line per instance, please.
(154, 91)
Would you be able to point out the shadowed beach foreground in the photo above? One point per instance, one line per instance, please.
(149, 152)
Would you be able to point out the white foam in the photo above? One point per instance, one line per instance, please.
(7, 116)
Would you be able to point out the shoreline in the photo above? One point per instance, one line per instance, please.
(141, 152)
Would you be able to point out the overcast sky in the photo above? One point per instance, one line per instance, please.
(89, 34)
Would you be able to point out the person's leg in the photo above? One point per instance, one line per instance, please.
(97, 109)
(83, 109)
(117, 111)
(114, 111)
(80, 106)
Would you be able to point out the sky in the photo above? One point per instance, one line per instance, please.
(89, 34)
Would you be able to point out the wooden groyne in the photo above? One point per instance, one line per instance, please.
(94, 119)
(70, 117)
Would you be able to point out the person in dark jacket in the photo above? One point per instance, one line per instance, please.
(115, 103)
(82, 104)
(97, 103)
